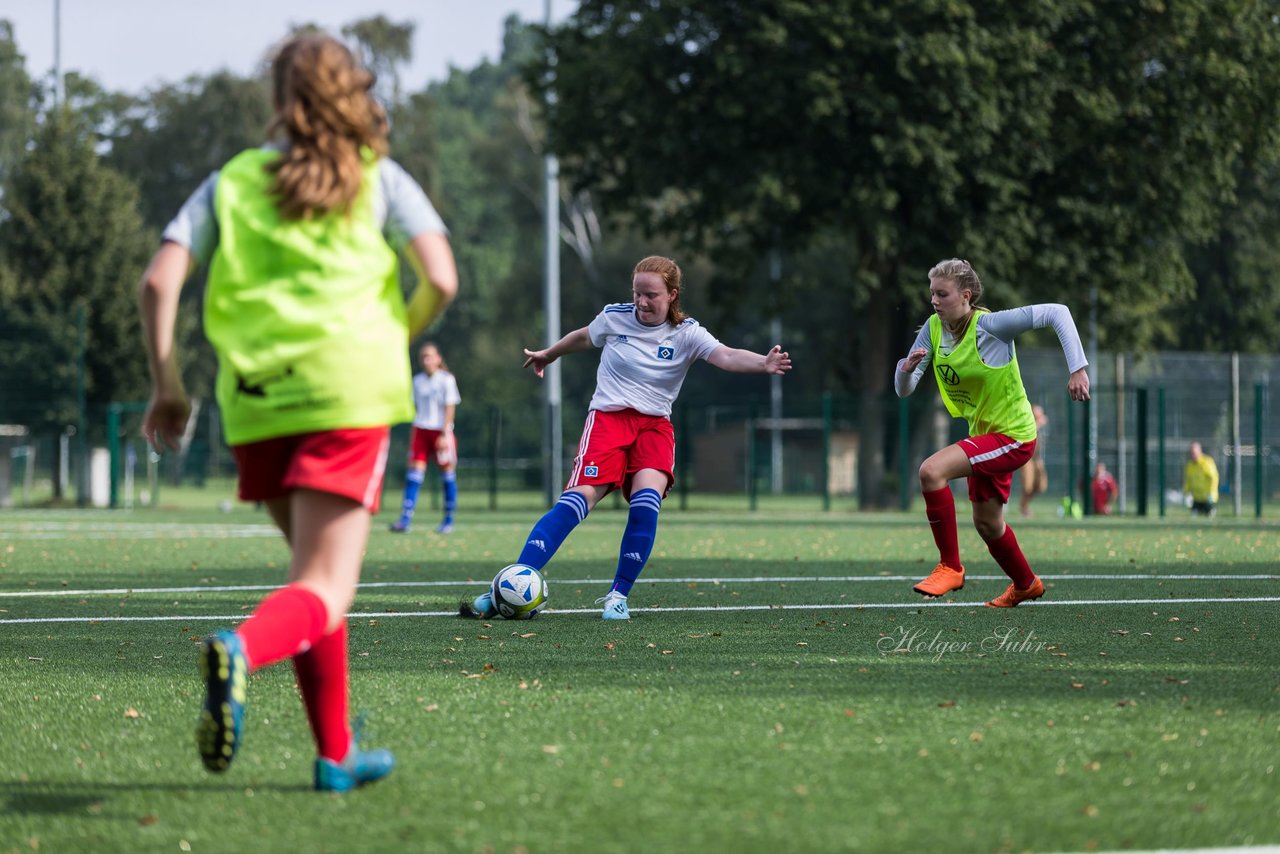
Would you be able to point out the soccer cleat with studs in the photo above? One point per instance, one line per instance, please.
(615, 606)
(221, 723)
(941, 581)
(1012, 595)
(480, 608)
(360, 767)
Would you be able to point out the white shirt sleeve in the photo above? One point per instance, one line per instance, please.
(703, 342)
(905, 383)
(1006, 325)
(598, 329)
(196, 225)
(451, 397)
(403, 207)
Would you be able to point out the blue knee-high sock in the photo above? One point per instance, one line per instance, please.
(412, 483)
(637, 539)
(450, 482)
(551, 530)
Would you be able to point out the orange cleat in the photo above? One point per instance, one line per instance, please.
(941, 581)
(1012, 596)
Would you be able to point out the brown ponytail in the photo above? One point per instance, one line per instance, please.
(325, 112)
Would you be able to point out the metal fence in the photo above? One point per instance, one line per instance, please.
(1146, 411)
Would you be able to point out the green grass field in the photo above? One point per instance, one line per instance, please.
(779, 688)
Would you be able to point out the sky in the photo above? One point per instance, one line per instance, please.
(132, 45)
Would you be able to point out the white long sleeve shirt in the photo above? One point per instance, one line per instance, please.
(994, 339)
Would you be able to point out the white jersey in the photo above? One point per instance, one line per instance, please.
(431, 394)
(642, 367)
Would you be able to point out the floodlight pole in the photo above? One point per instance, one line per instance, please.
(57, 53)
(553, 437)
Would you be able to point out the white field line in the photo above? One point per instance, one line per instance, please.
(126, 531)
(788, 579)
(849, 606)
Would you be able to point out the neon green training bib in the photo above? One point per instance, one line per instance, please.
(992, 400)
(306, 316)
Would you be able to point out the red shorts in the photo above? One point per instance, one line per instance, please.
(616, 445)
(422, 447)
(349, 463)
(994, 458)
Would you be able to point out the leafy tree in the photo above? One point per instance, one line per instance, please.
(73, 239)
(385, 46)
(1235, 303)
(17, 94)
(475, 141)
(1056, 144)
(172, 138)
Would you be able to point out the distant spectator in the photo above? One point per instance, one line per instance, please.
(1035, 476)
(1200, 481)
(1104, 488)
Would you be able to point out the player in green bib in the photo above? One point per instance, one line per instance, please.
(974, 362)
(304, 310)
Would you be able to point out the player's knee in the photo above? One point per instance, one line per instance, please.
(988, 529)
(931, 476)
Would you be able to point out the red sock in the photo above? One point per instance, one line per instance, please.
(1008, 554)
(284, 624)
(322, 679)
(940, 510)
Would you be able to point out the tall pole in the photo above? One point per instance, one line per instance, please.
(57, 53)
(1122, 444)
(553, 441)
(775, 386)
(1091, 428)
(82, 419)
(1236, 473)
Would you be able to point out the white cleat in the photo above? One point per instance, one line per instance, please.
(615, 606)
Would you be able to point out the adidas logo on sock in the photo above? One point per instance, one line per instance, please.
(633, 556)
(539, 544)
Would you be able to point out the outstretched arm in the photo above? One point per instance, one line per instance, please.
(746, 362)
(574, 342)
(166, 418)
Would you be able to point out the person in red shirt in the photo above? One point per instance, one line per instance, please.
(1105, 488)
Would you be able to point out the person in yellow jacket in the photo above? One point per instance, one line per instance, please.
(971, 352)
(1200, 481)
(304, 310)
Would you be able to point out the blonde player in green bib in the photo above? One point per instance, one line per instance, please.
(304, 310)
(972, 354)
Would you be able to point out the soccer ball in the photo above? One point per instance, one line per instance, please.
(519, 592)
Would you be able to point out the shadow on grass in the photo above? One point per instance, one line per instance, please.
(55, 797)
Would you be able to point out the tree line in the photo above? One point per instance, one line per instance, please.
(807, 162)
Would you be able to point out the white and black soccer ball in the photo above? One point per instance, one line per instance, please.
(519, 592)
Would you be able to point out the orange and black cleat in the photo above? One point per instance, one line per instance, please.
(941, 581)
(1012, 596)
